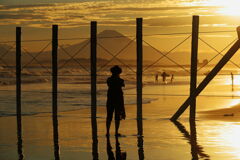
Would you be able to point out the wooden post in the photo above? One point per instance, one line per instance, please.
(55, 89)
(194, 63)
(18, 70)
(93, 67)
(139, 74)
(18, 91)
(94, 88)
(54, 69)
(208, 78)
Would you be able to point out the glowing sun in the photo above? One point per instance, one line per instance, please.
(228, 7)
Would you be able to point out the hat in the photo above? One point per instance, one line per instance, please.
(116, 69)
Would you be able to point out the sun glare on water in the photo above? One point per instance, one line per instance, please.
(236, 80)
(227, 7)
(229, 138)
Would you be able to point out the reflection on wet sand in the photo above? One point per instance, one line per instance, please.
(19, 137)
(119, 155)
(55, 136)
(140, 139)
(94, 139)
(140, 148)
(196, 149)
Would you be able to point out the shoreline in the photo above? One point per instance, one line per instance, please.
(224, 114)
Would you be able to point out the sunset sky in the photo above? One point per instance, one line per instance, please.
(74, 16)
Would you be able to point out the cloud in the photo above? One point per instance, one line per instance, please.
(107, 13)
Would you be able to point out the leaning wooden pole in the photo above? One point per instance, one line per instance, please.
(209, 77)
(139, 74)
(194, 62)
(18, 91)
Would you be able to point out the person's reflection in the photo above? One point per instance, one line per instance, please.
(118, 153)
(55, 136)
(140, 148)
(19, 137)
(196, 149)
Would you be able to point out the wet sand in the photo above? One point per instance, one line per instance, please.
(161, 140)
(231, 114)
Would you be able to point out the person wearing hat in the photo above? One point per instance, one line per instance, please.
(115, 101)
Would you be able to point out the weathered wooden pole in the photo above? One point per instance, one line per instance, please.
(194, 63)
(18, 70)
(139, 74)
(93, 67)
(18, 92)
(94, 88)
(54, 69)
(209, 77)
(55, 89)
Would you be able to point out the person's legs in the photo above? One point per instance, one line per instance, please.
(108, 124)
(109, 119)
(117, 120)
(117, 124)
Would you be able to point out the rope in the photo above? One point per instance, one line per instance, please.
(219, 53)
(34, 57)
(160, 34)
(4, 54)
(165, 55)
(184, 33)
(115, 56)
(72, 56)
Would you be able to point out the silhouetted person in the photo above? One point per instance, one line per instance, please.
(115, 102)
(172, 77)
(232, 77)
(156, 78)
(164, 75)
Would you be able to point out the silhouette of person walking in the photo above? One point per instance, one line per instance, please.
(115, 101)
(164, 75)
(156, 78)
(172, 77)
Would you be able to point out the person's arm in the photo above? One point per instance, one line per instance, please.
(108, 82)
(123, 84)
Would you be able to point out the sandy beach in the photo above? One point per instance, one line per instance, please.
(226, 114)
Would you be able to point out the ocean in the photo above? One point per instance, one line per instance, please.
(74, 89)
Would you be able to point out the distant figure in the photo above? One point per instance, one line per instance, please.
(232, 77)
(164, 75)
(115, 101)
(156, 78)
(172, 77)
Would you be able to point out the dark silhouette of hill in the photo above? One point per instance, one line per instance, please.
(111, 40)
